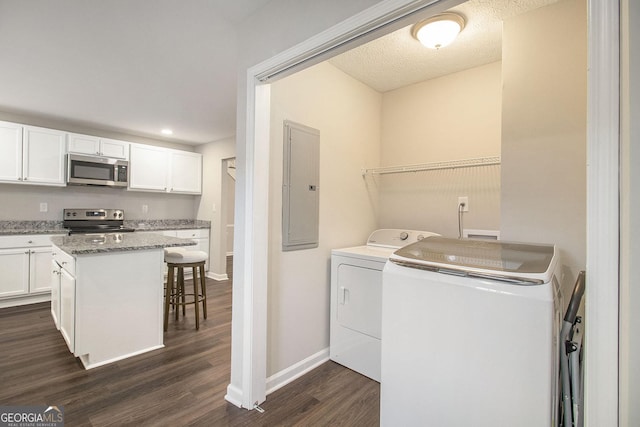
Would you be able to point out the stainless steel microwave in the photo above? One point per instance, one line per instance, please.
(90, 170)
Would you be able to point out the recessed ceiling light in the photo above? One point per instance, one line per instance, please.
(438, 31)
(167, 132)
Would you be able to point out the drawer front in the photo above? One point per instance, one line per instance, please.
(65, 260)
(193, 234)
(26, 240)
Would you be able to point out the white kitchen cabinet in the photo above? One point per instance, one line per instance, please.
(14, 270)
(11, 149)
(63, 269)
(43, 153)
(24, 271)
(162, 169)
(56, 274)
(186, 172)
(148, 168)
(25, 268)
(96, 146)
(68, 308)
(31, 155)
(39, 275)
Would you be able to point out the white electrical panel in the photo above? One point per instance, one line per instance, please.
(300, 187)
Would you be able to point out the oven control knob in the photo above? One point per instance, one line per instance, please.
(404, 235)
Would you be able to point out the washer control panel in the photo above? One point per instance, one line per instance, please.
(396, 238)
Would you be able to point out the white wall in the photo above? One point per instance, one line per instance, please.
(544, 120)
(347, 114)
(22, 202)
(454, 117)
(213, 155)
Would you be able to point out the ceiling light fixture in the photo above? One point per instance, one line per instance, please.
(167, 132)
(438, 31)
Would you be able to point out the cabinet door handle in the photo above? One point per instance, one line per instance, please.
(64, 262)
(27, 252)
(30, 241)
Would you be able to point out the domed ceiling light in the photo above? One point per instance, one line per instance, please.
(438, 31)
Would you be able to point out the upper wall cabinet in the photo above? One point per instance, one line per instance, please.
(148, 168)
(31, 155)
(93, 145)
(154, 168)
(186, 172)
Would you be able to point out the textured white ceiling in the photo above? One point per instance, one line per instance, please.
(398, 59)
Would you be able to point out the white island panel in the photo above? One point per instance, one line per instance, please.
(118, 305)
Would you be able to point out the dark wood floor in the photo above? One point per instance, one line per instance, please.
(181, 384)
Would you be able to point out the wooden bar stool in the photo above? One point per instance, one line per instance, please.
(178, 259)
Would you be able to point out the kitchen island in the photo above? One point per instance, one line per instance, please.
(107, 293)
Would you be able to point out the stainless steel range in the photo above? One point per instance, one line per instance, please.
(90, 221)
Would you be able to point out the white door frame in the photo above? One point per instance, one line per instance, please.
(601, 397)
(602, 338)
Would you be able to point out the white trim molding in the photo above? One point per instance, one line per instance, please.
(292, 373)
(603, 166)
(217, 276)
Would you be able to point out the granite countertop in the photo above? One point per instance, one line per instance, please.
(8, 228)
(82, 244)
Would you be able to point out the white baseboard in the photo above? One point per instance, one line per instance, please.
(284, 377)
(216, 276)
(234, 395)
(229, 253)
(24, 300)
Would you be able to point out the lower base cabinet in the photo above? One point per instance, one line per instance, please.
(25, 268)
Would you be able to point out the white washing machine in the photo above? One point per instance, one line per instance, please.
(356, 299)
(470, 334)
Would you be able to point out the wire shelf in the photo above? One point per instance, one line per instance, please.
(453, 164)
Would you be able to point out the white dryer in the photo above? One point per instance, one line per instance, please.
(356, 299)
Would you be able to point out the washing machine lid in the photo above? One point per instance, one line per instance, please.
(520, 263)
